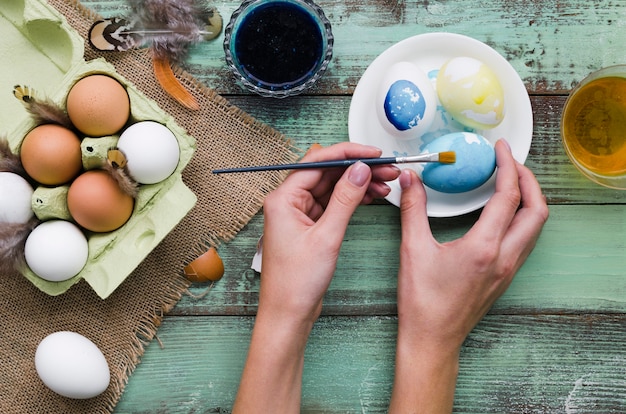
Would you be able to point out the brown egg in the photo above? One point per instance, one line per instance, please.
(96, 202)
(51, 154)
(98, 105)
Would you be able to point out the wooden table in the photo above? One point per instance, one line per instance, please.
(555, 342)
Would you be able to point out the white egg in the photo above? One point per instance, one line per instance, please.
(471, 92)
(15, 199)
(56, 250)
(71, 365)
(406, 102)
(151, 151)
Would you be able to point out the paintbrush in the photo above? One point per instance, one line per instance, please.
(447, 157)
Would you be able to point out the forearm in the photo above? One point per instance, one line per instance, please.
(425, 377)
(272, 378)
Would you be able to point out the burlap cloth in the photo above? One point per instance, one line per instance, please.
(123, 324)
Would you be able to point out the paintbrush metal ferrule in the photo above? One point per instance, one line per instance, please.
(434, 157)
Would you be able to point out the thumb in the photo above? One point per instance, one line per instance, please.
(413, 213)
(346, 196)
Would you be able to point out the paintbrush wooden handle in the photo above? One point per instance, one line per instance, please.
(309, 165)
(446, 157)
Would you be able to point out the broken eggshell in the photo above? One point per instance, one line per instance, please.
(207, 267)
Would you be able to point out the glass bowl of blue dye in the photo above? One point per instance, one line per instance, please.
(278, 48)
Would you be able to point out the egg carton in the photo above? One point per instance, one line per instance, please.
(46, 54)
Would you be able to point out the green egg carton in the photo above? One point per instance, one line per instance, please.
(40, 50)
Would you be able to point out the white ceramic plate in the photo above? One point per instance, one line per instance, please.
(429, 52)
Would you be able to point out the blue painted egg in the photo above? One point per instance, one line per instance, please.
(406, 101)
(475, 163)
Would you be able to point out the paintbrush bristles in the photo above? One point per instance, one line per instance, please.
(447, 157)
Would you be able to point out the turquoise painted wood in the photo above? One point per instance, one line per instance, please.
(509, 364)
(555, 342)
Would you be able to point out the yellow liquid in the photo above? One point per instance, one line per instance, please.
(594, 126)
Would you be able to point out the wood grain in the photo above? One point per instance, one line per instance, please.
(555, 342)
(511, 364)
(552, 44)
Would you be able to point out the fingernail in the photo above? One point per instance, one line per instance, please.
(359, 173)
(406, 179)
(506, 143)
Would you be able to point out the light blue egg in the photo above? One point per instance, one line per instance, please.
(475, 163)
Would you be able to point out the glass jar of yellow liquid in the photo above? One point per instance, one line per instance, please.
(593, 126)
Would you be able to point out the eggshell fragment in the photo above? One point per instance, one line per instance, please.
(71, 365)
(56, 250)
(98, 105)
(475, 163)
(207, 267)
(51, 154)
(15, 199)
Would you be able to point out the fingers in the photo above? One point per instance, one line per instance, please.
(345, 198)
(413, 214)
(529, 220)
(515, 215)
(341, 151)
(497, 215)
(321, 182)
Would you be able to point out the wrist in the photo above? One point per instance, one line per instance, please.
(425, 375)
(288, 327)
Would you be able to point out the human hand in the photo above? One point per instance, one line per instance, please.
(305, 222)
(444, 290)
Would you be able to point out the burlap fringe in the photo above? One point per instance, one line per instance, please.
(150, 320)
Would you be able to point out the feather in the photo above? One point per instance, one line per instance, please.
(169, 28)
(184, 23)
(10, 162)
(12, 241)
(13, 235)
(168, 81)
(116, 168)
(43, 111)
(114, 35)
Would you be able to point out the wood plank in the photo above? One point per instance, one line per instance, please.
(552, 44)
(553, 343)
(530, 364)
(325, 120)
(577, 266)
(309, 119)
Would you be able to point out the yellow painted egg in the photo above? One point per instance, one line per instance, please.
(471, 92)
